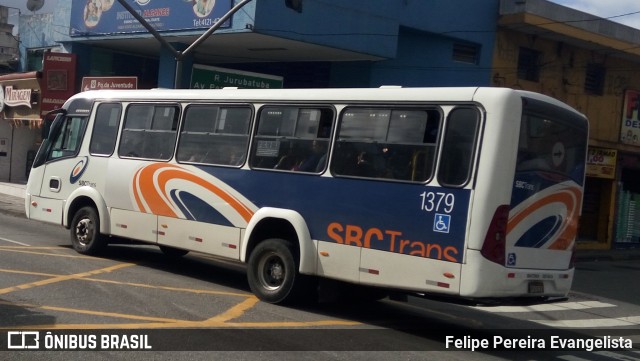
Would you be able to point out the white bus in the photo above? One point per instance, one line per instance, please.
(470, 192)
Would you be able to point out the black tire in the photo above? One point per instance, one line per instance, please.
(273, 274)
(173, 252)
(85, 232)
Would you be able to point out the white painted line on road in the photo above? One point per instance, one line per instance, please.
(572, 358)
(609, 355)
(617, 356)
(592, 322)
(563, 306)
(15, 242)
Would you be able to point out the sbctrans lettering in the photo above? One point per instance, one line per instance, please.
(364, 237)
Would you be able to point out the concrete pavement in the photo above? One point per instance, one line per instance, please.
(12, 202)
(12, 198)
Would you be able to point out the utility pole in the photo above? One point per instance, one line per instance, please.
(179, 55)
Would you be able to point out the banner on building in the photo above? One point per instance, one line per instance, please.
(630, 128)
(601, 163)
(21, 96)
(101, 17)
(211, 77)
(59, 80)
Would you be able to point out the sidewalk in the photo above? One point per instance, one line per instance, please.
(12, 202)
(12, 198)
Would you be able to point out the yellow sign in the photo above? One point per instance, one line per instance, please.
(601, 163)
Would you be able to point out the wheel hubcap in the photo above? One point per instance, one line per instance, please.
(84, 230)
(273, 272)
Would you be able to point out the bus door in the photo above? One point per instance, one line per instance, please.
(57, 168)
(547, 189)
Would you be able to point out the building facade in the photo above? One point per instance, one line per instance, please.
(592, 64)
(329, 43)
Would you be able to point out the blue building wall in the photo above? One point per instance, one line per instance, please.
(413, 39)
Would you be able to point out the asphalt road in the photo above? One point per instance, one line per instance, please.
(203, 306)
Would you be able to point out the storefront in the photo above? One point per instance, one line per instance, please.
(628, 203)
(627, 210)
(599, 199)
(20, 123)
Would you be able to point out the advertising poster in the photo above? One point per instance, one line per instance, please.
(58, 80)
(100, 17)
(630, 127)
(601, 163)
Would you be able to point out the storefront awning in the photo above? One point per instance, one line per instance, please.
(20, 98)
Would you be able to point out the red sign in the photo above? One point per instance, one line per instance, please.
(109, 82)
(59, 79)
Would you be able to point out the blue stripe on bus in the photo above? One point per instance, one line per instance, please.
(196, 209)
(374, 214)
(540, 233)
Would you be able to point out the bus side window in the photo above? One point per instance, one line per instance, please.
(149, 131)
(292, 138)
(460, 136)
(384, 143)
(105, 129)
(215, 135)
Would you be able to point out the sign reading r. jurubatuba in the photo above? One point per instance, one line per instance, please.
(211, 77)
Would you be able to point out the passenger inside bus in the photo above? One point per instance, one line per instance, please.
(316, 160)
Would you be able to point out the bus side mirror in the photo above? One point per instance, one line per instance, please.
(48, 120)
(46, 128)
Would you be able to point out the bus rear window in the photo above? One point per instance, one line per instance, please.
(550, 145)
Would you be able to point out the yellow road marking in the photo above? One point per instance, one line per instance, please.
(4, 270)
(57, 279)
(219, 321)
(184, 324)
(30, 247)
(165, 288)
(234, 312)
(90, 312)
(168, 288)
(24, 250)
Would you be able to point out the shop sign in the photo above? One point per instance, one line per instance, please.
(601, 162)
(630, 129)
(17, 97)
(21, 96)
(109, 82)
(59, 70)
(211, 77)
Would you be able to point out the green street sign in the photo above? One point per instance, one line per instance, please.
(211, 77)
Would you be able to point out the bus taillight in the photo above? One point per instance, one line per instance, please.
(494, 245)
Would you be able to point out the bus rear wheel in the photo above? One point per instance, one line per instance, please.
(273, 275)
(85, 232)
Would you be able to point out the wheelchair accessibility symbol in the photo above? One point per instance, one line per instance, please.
(441, 223)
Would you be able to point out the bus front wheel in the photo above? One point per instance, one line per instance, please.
(272, 272)
(85, 232)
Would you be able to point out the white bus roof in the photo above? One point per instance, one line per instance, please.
(328, 94)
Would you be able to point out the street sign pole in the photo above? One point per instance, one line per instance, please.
(179, 55)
